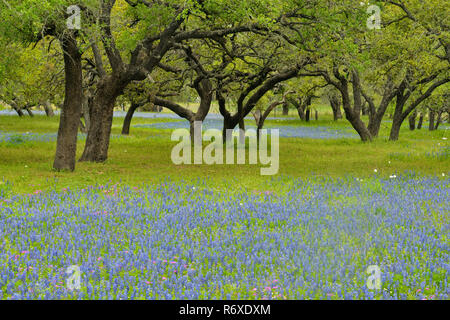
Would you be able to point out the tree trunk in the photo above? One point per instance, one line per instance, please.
(353, 114)
(85, 112)
(375, 124)
(17, 109)
(395, 130)
(66, 145)
(419, 124)
(438, 120)
(19, 112)
(299, 107)
(365, 109)
(307, 114)
(336, 107)
(285, 109)
(396, 122)
(29, 111)
(398, 118)
(48, 109)
(431, 119)
(102, 113)
(316, 115)
(228, 124)
(412, 121)
(301, 113)
(128, 118)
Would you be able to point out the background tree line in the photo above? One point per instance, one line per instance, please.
(249, 57)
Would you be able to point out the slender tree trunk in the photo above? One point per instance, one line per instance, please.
(365, 109)
(307, 114)
(316, 115)
(66, 145)
(336, 107)
(85, 112)
(432, 115)
(438, 120)
(128, 118)
(419, 124)
(412, 121)
(29, 111)
(285, 109)
(397, 121)
(19, 112)
(48, 109)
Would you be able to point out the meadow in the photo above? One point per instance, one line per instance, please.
(140, 227)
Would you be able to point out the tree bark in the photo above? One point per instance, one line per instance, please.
(419, 124)
(17, 109)
(412, 121)
(128, 118)
(353, 114)
(395, 130)
(30, 113)
(431, 115)
(307, 114)
(285, 109)
(19, 112)
(438, 120)
(85, 112)
(336, 107)
(48, 109)
(101, 114)
(66, 145)
(398, 117)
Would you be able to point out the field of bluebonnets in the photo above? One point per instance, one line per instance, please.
(287, 237)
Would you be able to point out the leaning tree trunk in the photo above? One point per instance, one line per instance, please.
(19, 112)
(358, 125)
(48, 109)
(419, 124)
(29, 111)
(17, 109)
(412, 121)
(66, 145)
(438, 120)
(128, 118)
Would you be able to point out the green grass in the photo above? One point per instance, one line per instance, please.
(144, 157)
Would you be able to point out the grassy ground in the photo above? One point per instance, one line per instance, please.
(144, 157)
